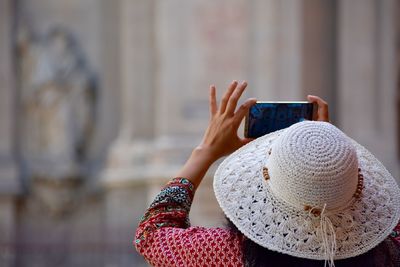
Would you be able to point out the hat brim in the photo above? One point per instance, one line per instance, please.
(270, 222)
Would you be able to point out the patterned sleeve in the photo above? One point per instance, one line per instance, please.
(395, 235)
(164, 236)
(170, 208)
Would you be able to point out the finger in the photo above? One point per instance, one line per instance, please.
(232, 103)
(317, 99)
(213, 100)
(323, 110)
(321, 107)
(242, 111)
(226, 96)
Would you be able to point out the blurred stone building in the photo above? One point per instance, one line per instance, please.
(101, 102)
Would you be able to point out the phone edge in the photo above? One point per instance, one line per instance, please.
(246, 125)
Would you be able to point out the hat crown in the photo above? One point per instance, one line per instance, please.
(313, 163)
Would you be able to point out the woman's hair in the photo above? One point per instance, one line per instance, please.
(385, 254)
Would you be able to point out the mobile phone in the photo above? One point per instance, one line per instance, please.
(265, 117)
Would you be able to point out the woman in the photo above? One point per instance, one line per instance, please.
(303, 196)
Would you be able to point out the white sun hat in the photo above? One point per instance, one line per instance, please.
(309, 191)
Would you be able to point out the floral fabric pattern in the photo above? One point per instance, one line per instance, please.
(164, 236)
(395, 235)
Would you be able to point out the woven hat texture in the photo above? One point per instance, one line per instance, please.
(310, 164)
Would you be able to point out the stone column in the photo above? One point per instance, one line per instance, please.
(275, 49)
(127, 172)
(8, 229)
(367, 76)
(319, 51)
(9, 180)
(137, 85)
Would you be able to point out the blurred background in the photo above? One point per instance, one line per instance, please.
(102, 101)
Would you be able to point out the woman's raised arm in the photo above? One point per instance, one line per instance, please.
(220, 138)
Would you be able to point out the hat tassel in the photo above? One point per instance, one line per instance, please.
(327, 233)
(329, 240)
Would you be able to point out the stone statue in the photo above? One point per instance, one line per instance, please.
(57, 93)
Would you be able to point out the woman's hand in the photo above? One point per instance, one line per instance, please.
(221, 138)
(323, 112)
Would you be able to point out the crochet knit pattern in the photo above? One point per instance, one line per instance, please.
(311, 163)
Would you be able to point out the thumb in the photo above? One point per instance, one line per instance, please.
(245, 141)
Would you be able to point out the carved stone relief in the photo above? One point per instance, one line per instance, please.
(57, 100)
(58, 103)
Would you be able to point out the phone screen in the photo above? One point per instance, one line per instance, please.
(267, 117)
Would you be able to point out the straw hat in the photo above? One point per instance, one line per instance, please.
(309, 191)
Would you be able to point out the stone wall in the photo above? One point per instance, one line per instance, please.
(151, 63)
